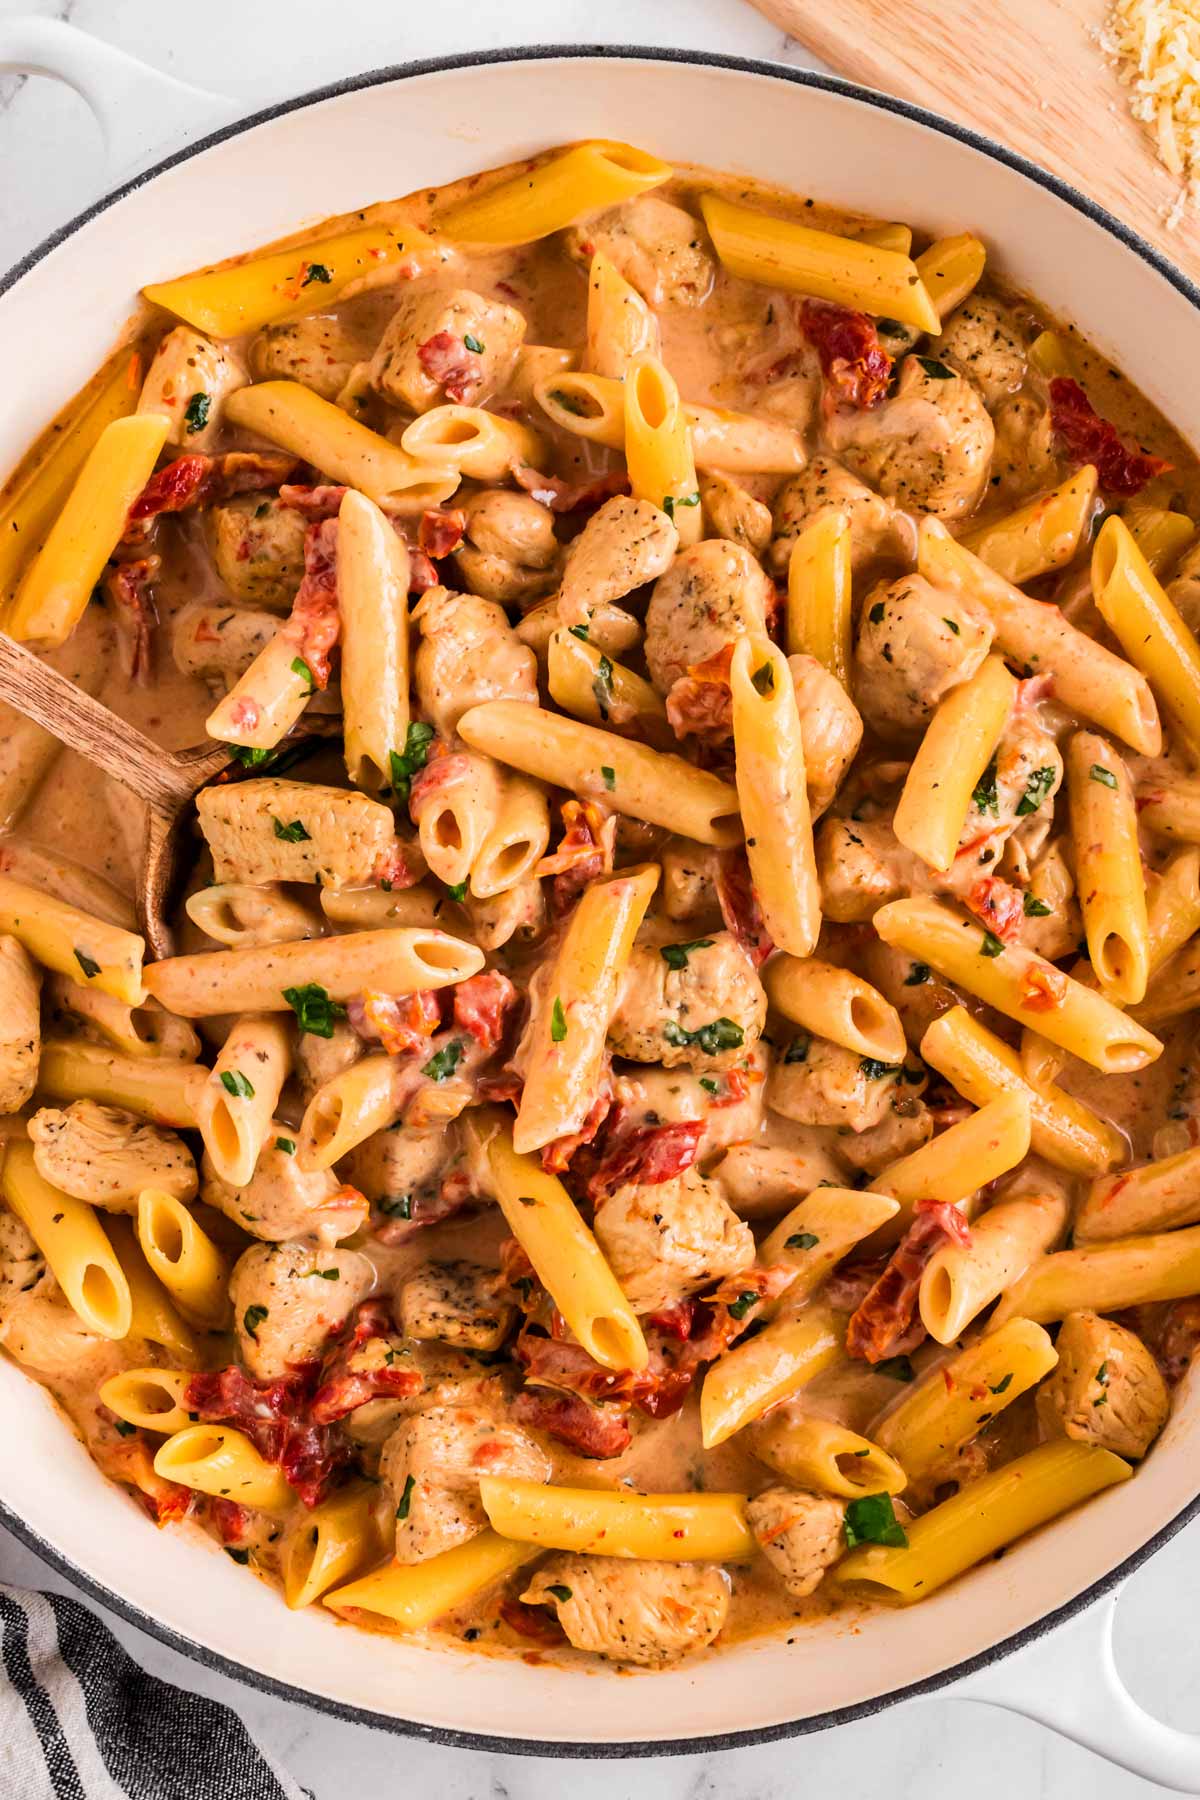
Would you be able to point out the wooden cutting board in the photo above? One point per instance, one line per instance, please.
(1028, 72)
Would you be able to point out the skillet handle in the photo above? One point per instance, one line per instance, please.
(142, 113)
(1069, 1682)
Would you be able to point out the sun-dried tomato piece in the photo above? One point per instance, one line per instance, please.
(886, 1312)
(856, 367)
(451, 366)
(1088, 438)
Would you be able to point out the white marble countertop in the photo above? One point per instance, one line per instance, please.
(50, 167)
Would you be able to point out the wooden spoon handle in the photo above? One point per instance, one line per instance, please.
(40, 693)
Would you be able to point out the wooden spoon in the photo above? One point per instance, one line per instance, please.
(168, 781)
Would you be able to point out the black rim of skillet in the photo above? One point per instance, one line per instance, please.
(765, 1734)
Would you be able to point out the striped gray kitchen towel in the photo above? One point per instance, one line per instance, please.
(80, 1720)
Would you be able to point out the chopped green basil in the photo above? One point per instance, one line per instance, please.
(874, 1070)
(674, 500)
(801, 1240)
(917, 975)
(1105, 777)
(403, 766)
(457, 890)
(314, 1008)
(558, 1022)
(406, 1498)
(252, 1318)
(953, 625)
(286, 1145)
(1003, 1385)
(872, 1520)
(602, 685)
(991, 945)
(124, 1428)
(326, 1274)
(196, 413)
(316, 272)
(300, 667)
(717, 1035)
(579, 631)
(610, 777)
(473, 343)
(741, 1306)
(676, 955)
(763, 679)
(559, 1591)
(235, 1083)
(396, 1206)
(983, 796)
(293, 833)
(1036, 789)
(87, 963)
(1035, 908)
(937, 371)
(439, 1067)
(709, 1085)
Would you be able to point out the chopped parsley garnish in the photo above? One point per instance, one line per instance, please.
(717, 1035)
(991, 945)
(406, 1498)
(801, 1240)
(797, 1050)
(610, 777)
(87, 963)
(763, 679)
(326, 1274)
(674, 500)
(235, 1083)
(872, 1520)
(252, 1318)
(250, 759)
(676, 955)
(314, 1008)
(876, 613)
(559, 1591)
(439, 1067)
(286, 1145)
(1105, 777)
(457, 890)
(124, 1428)
(569, 402)
(953, 625)
(473, 343)
(299, 667)
(315, 272)
(239, 1556)
(558, 1022)
(874, 1070)
(293, 833)
(396, 1206)
(579, 631)
(889, 327)
(1003, 1385)
(1035, 908)
(526, 1200)
(917, 975)
(404, 765)
(1036, 789)
(983, 796)
(602, 685)
(709, 1085)
(196, 412)
(896, 1368)
(937, 371)
(741, 1306)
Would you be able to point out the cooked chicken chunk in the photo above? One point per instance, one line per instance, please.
(704, 1013)
(188, 382)
(648, 1613)
(688, 890)
(624, 545)
(468, 653)
(22, 1264)
(289, 1299)
(878, 533)
(456, 1303)
(1024, 457)
(861, 866)
(396, 1168)
(671, 1239)
(510, 551)
(281, 1201)
(830, 729)
(258, 547)
(658, 247)
(713, 593)
(316, 1060)
(980, 340)
(273, 830)
(316, 351)
(518, 913)
(730, 1104)
(800, 1535)
(431, 1467)
(448, 1378)
(105, 1155)
(819, 1083)
(424, 359)
(733, 513)
(220, 642)
(42, 1333)
(907, 1124)
(20, 1024)
(611, 630)
(915, 643)
(929, 448)
(1107, 1388)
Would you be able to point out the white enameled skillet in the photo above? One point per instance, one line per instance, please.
(379, 136)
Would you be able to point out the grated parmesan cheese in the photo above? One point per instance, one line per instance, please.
(1156, 47)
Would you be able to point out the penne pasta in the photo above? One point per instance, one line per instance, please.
(216, 1460)
(412, 1596)
(1043, 534)
(1161, 536)
(1108, 867)
(346, 1110)
(516, 840)
(957, 746)
(593, 407)
(958, 1161)
(1019, 983)
(264, 703)
(56, 587)
(981, 1519)
(163, 1089)
(184, 1258)
(818, 1453)
(934, 1420)
(146, 1030)
(297, 419)
(763, 1370)
(960, 1281)
(782, 254)
(812, 1238)
(658, 447)
(322, 1547)
(666, 1527)
(455, 819)
(620, 326)
(372, 599)
(773, 795)
(592, 687)
(568, 1029)
(1172, 809)
(239, 1098)
(819, 596)
(837, 1004)
(1133, 605)
(384, 909)
(566, 1258)
(478, 444)
(631, 778)
(1155, 1196)
(244, 914)
(951, 269)
(89, 951)
(395, 962)
(1106, 1277)
(72, 1240)
(151, 1399)
(153, 1317)
(551, 195)
(1088, 679)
